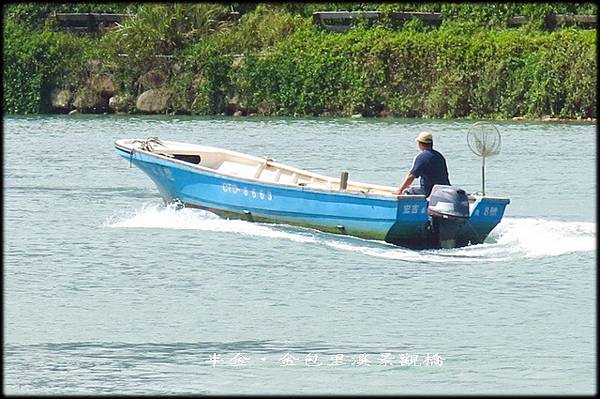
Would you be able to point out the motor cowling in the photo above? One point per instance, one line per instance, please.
(449, 211)
(448, 202)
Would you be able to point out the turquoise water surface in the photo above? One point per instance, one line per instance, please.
(109, 291)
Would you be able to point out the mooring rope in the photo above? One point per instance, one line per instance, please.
(145, 145)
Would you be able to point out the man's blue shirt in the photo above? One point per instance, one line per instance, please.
(431, 167)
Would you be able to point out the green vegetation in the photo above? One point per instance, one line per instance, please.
(34, 62)
(275, 61)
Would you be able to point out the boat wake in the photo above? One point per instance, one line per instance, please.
(525, 237)
(170, 217)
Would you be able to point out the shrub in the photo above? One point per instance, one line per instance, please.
(34, 63)
(275, 61)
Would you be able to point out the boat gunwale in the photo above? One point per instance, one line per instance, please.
(290, 168)
(360, 194)
(391, 197)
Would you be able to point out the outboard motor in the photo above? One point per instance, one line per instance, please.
(449, 211)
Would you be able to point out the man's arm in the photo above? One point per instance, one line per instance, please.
(406, 183)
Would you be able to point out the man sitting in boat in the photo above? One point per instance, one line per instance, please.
(429, 165)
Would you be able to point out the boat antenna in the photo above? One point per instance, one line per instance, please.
(483, 139)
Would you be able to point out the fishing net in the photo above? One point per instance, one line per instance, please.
(484, 139)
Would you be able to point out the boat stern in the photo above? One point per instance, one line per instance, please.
(411, 228)
(486, 213)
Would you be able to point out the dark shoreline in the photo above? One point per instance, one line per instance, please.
(583, 121)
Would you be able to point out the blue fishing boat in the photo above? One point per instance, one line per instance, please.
(236, 185)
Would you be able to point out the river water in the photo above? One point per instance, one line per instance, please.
(109, 291)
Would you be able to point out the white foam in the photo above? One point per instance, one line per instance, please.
(169, 217)
(540, 237)
(527, 237)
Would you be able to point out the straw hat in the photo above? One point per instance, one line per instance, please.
(424, 137)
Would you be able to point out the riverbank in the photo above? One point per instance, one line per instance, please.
(275, 62)
(545, 119)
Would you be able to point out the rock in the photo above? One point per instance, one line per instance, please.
(61, 99)
(88, 100)
(237, 113)
(232, 104)
(153, 101)
(232, 100)
(518, 118)
(176, 68)
(356, 116)
(152, 79)
(264, 108)
(104, 85)
(75, 111)
(119, 103)
(230, 109)
(93, 66)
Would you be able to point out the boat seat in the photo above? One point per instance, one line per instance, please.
(259, 170)
(270, 175)
(321, 186)
(237, 169)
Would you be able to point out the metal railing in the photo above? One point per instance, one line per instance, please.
(342, 21)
